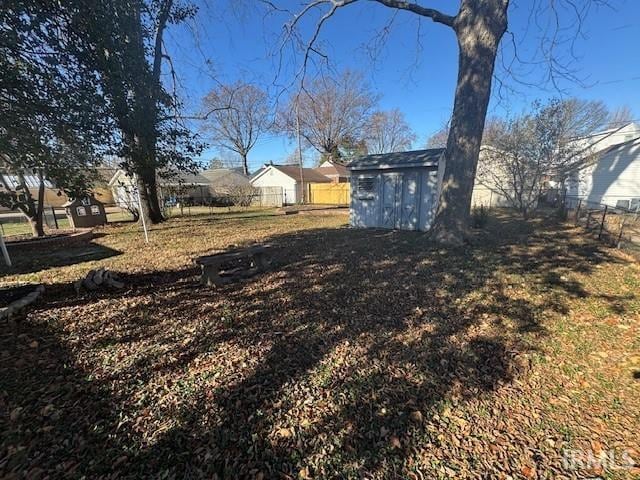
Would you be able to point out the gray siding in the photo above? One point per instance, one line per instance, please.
(399, 198)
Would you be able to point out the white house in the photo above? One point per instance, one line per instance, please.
(337, 172)
(610, 175)
(611, 178)
(488, 188)
(199, 187)
(286, 180)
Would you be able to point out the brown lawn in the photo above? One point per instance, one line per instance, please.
(362, 354)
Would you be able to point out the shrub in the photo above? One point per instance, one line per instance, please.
(479, 217)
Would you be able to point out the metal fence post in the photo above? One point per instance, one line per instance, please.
(55, 220)
(622, 224)
(604, 215)
(588, 220)
(578, 211)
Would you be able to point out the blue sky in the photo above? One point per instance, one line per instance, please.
(414, 68)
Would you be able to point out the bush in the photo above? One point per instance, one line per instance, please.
(561, 213)
(479, 217)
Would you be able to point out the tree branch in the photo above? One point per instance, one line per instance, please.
(435, 15)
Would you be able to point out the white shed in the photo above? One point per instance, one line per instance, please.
(396, 190)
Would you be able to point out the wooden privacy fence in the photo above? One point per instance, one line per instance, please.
(330, 193)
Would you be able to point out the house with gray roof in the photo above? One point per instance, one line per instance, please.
(200, 188)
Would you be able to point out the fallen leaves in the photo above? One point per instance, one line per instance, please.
(416, 416)
(361, 355)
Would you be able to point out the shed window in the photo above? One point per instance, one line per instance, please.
(366, 187)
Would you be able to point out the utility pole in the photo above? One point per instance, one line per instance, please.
(302, 191)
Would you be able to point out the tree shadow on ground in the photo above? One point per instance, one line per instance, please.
(340, 362)
(36, 259)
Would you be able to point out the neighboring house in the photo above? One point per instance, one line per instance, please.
(223, 180)
(614, 136)
(54, 197)
(485, 189)
(198, 188)
(101, 189)
(337, 172)
(611, 178)
(287, 179)
(396, 190)
(183, 185)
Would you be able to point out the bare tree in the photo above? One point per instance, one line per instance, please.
(438, 139)
(582, 117)
(493, 126)
(242, 195)
(479, 26)
(620, 116)
(237, 115)
(547, 143)
(388, 131)
(329, 112)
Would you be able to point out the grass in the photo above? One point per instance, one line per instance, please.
(361, 354)
(22, 227)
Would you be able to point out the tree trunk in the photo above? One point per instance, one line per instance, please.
(31, 207)
(479, 26)
(149, 202)
(39, 208)
(245, 165)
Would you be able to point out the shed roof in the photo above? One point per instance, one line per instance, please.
(414, 158)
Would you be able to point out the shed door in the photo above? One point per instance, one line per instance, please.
(389, 200)
(410, 199)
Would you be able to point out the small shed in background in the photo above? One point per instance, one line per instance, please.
(85, 212)
(396, 190)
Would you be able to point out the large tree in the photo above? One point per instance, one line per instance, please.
(235, 117)
(124, 42)
(388, 131)
(329, 113)
(479, 26)
(52, 114)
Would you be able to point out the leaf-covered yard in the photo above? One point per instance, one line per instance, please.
(362, 354)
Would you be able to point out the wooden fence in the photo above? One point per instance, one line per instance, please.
(330, 193)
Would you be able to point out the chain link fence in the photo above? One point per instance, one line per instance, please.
(15, 224)
(616, 226)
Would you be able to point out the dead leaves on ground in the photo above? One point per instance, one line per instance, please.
(363, 355)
